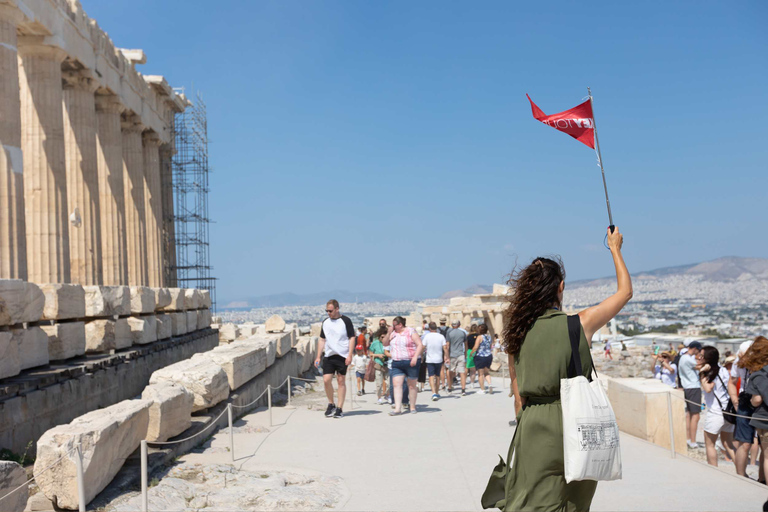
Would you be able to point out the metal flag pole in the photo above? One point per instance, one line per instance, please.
(600, 159)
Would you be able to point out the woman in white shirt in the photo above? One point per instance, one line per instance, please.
(664, 369)
(714, 385)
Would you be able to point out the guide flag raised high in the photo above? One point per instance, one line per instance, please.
(577, 122)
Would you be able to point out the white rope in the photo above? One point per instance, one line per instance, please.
(212, 423)
(261, 395)
(709, 410)
(41, 472)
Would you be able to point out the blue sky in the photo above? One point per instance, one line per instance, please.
(389, 146)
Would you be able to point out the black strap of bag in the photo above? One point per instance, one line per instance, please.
(575, 367)
(729, 411)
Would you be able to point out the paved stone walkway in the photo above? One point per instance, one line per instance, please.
(440, 458)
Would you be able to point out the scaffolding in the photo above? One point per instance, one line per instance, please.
(190, 189)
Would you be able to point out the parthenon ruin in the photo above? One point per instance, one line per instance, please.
(84, 138)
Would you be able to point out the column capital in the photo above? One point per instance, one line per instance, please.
(131, 123)
(79, 80)
(36, 46)
(109, 103)
(151, 138)
(11, 12)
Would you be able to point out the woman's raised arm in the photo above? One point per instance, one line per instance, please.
(592, 319)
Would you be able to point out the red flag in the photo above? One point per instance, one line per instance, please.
(576, 122)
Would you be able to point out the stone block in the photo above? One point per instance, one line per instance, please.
(65, 340)
(162, 298)
(123, 336)
(164, 326)
(63, 301)
(283, 342)
(10, 365)
(107, 301)
(20, 301)
(275, 323)
(191, 320)
(314, 329)
(306, 348)
(12, 475)
(142, 299)
(229, 332)
(143, 329)
(191, 298)
(99, 336)
(205, 379)
(269, 344)
(33, 347)
(205, 299)
(171, 411)
(178, 323)
(107, 436)
(203, 318)
(241, 361)
(247, 330)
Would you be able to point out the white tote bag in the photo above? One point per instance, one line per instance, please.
(590, 432)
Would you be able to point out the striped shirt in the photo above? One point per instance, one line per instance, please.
(401, 346)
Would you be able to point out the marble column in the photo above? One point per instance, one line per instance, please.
(152, 207)
(109, 150)
(168, 240)
(13, 243)
(135, 215)
(82, 178)
(45, 176)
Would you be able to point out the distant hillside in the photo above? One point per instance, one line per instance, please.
(311, 299)
(472, 290)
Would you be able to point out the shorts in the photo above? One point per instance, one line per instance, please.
(422, 372)
(334, 364)
(470, 359)
(458, 364)
(762, 437)
(360, 375)
(714, 423)
(693, 395)
(483, 362)
(403, 367)
(744, 432)
(434, 369)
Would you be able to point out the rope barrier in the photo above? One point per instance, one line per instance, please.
(690, 402)
(41, 472)
(212, 423)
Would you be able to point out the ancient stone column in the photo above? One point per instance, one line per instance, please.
(152, 207)
(45, 176)
(135, 215)
(168, 240)
(109, 149)
(13, 243)
(82, 178)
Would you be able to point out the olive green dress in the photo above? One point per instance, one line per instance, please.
(533, 476)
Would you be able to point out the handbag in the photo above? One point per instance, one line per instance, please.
(729, 413)
(590, 431)
(370, 371)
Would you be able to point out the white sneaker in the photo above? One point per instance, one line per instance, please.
(692, 445)
(481, 392)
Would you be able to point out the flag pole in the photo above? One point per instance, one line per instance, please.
(600, 159)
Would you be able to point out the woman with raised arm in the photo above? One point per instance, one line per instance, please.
(536, 336)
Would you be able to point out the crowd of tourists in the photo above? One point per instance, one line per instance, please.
(400, 361)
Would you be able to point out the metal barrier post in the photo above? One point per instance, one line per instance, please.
(289, 390)
(80, 479)
(144, 471)
(269, 402)
(231, 433)
(671, 424)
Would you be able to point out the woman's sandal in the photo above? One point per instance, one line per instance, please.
(394, 413)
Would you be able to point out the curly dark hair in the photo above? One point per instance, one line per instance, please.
(534, 289)
(756, 355)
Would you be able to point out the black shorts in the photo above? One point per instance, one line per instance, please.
(334, 364)
(483, 362)
(693, 395)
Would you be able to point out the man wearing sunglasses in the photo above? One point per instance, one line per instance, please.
(337, 339)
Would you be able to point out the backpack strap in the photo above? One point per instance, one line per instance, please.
(574, 334)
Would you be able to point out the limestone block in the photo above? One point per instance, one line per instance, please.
(275, 323)
(171, 411)
(229, 332)
(107, 436)
(65, 340)
(63, 301)
(142, 299)
(178, 323)
(107, 300)
(314, 329)
(164, 326)
(162, 298)
(240, 360)
(33, 347)
(269, 344)
(191, 320)
(203, 318)
(205, 299)
(191, 298)
(123, 336)
(177, 300)
(283, 342)
(20, 301)
(99, 336)
(143, 329)
(201, 376)
(306, 348)
(12, 475)
(247, 330)
(10, 364)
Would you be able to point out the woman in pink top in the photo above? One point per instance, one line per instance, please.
(405, 348)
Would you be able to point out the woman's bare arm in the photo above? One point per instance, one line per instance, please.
(592, 319)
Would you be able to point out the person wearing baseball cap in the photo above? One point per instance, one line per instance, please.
(689, 379)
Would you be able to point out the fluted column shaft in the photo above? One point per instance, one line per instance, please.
(45, 180)
(152, 206)
(13, 243)
(109, 150)
(82, 179)
(135, 214)
(168, 240)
